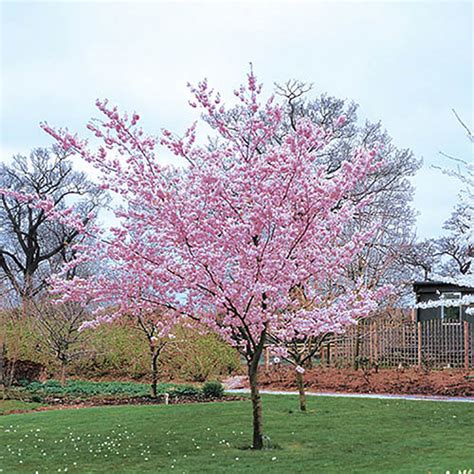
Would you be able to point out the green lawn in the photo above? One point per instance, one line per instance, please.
(341, 435)
(7, 406)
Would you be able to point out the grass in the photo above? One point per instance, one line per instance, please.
(7, 406)
(337, 435)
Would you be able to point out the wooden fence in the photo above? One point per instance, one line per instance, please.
(431, 344)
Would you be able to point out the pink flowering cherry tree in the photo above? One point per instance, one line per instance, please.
(317, 313)
(224, 239)
(119, 293)
(127, 287)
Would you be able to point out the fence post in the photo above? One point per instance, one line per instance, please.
(466, 345)
(371, 345)
(376, 344)
(418, 326)
(335, 354)
(267, 359)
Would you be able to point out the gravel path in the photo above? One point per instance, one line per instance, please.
(363, 395)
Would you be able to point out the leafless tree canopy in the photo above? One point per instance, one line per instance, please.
(59, 326)
(451, 254)
(422, 257)
(455, 248)
(31, 246)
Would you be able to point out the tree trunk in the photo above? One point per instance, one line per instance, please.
(154, 374)
(357, 348)
(3, 368)
(11, 376)
(63, 374)
(257, 442)
(302, 394)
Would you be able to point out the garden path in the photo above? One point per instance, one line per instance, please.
(361, 395)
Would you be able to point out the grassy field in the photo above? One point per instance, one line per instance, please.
(7, 406)
(337, 435)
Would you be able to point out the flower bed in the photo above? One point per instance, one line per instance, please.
(449, 382)
(77, 393)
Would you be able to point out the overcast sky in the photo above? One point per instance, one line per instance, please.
(406, 63)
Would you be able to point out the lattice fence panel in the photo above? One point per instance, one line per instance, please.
(395, 343)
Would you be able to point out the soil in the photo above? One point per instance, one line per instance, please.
(410, 381)
(68, 403)
(100, 401)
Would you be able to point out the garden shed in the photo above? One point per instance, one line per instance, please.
(436, 290)
(434, 337)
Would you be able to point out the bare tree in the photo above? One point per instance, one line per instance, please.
(59, 328)
(455, 245)
(31, 246)
(148, 324)
(423, 258)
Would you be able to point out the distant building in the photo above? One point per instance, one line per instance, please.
(437, 290)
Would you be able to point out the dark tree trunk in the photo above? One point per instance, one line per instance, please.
(302, 394)
(3, 368)
(357, 349)
(257, 442)
(63, 373)
(154, 374)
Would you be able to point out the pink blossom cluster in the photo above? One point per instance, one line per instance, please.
(326, 311)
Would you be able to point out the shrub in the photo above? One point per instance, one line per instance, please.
(198, 357)
(86, 389)
(361, 362)
(119, 351)
(184, 390)
(213, 389)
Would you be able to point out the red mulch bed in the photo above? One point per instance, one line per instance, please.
(449, 382)
(110, 400)
(67, 404)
